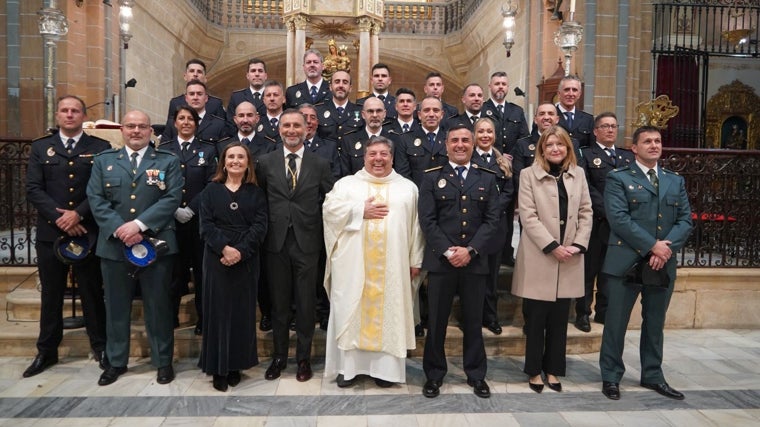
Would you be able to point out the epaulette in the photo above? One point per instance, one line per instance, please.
(214, 141)
(162, 143)
(433, 169)
(97, 138)
(393, 131)
(620, 169)
(481, 168)
(352, 131)
(239, 90)
(44, 136)
(220, 118)
(160, 151)
(108, 151)
(274, 140)
(669, 171)
(212, 96)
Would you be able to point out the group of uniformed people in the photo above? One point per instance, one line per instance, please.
(466, 166)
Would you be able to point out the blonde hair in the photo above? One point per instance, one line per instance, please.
(505, 164)
(564, 138)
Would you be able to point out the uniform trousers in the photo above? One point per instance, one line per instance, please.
(593, 259)
(153, 282)
(190, 256)
(546, 336)
(292, 274)
(471, 289)
(491, 301)
(654, 305)
(53, 276)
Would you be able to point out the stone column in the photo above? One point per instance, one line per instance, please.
(375, 43)
(363, 83)
(290, 54)
(300, 22)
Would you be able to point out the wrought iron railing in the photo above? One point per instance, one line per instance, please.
(714, 27)
(425, 18)
(723, 186)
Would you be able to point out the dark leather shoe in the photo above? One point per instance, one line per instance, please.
(665, 390)
(419, 331)
(494, 327)
(343, 382)
(221, 383)
(274, 369)
(432, 388)
(480, 388)
(265, 324)
(304, 371)
(198, 330)
(611, 390)
(110, 375)
(538, 388)
(582, 323)
(39, 364)
(233, 378)
(165, 374)
(382, 383)
(555, 386)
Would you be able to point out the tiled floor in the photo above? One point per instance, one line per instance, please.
(718, 370)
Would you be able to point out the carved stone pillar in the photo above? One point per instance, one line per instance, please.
(375, 42)
(363, 84)
(300, 22)
(290, 54)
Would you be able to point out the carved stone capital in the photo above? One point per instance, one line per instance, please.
(365, 24)
(300, 22)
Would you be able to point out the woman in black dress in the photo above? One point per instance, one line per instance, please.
(233, 223)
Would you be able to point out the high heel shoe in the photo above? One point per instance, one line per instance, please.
(538, 388)
(220, 382)
(554, 386)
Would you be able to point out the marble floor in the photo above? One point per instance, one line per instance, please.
(718, 370)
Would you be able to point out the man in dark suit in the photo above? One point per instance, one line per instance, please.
(295, 181)
(579, 124)
(598, 160)
(211, 128)
(195, 69)
(472, 98)
(254, 93)
(510, 118)
(314, 90)
(354, 143)
(650, 219)
(434, 87)
(425, 147)
(458, 213)
(381, 82)
(338, 116)
(274, 101)
(197, 161)
(59, 168)
(246, 120)
(134, 192)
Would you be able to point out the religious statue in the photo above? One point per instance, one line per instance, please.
(336, 60)
(344, 62)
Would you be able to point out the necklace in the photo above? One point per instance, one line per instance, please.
(233, 196)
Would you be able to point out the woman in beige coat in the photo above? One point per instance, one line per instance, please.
(555, 212)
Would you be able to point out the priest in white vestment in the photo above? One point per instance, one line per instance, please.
(374, 249)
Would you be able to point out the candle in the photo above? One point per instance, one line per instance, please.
(572, 6)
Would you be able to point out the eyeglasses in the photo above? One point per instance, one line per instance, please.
(607, 127)
(132, 126)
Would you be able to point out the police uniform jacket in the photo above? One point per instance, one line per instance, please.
(239, 96)
(597, 164)
(213, 106)
(265, 127)
(117, 195)
(57, 179)
(299, 94)
(352, 150)
(389, 101)
(452, 214)
(334, 126)
(583, 127)
(212, 129)
(198, 165)
(413, 155)
(639, 215)
(258, 143)
(394, 128)
(511, 124)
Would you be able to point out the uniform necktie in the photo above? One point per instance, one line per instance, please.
(500, 108)
(133, 161)
(291, 174)
(381, 97)
(340, 110)
(474, 119)
(273, 122)
(405, 127)
(654, 180)
(313, 94)
(460, 173)
(569, 119)
(70, 145)
(307, 143)
(486, 157)
(431, 140)
(611, 152)
(185, 145)
(256, 96)
(245, 141)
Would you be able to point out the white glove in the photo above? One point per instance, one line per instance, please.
(183, 215)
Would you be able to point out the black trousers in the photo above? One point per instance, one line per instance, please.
(471, 289)
(490, 304)
(53, 277)
(546, 338)
(593, 259)
(292, 274)
(190, 256)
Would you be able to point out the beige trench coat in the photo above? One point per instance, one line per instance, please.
(537, 275)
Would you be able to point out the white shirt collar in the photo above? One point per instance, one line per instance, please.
(645, 169)
(76, 137)
(299, 152)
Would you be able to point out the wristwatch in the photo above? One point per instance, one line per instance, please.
(472, 251)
